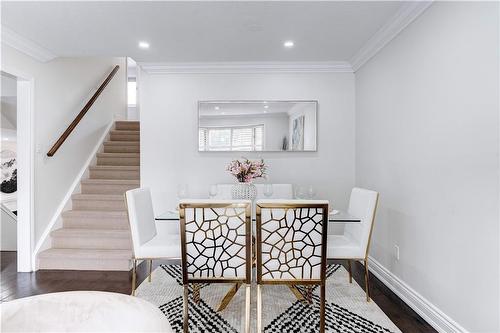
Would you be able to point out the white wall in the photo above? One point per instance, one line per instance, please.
(427, 138)
(169, 132)
(62, 87)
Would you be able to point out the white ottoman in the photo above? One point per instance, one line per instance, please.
(82, 311)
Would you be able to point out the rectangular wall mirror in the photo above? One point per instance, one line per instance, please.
(257, 125)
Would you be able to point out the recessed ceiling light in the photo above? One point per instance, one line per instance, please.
(144, 45)
(222, 113)
(288, 44)
(265, 111)
(216, 108)
(266, 106)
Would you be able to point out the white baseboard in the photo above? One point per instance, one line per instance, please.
(44, 241)
(428, 311)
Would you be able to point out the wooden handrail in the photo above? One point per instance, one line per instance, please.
(82, 113)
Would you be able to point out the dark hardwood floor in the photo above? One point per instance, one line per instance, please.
(407, 320)
(16, 285)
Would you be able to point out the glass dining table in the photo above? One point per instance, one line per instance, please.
(336, 216)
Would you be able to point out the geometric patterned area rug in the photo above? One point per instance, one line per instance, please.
(346, 308)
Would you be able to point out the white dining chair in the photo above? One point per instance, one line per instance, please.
(291, 249)
(216, 247)
(147, 243)
(354, 243)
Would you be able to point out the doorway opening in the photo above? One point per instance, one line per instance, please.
(132, 90)
(8, 157)
(17, 167)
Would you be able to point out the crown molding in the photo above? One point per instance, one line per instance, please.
(25, 45)
(246, 67)
(408, 12)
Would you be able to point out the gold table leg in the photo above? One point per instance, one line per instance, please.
(229, 296)
(297, 293)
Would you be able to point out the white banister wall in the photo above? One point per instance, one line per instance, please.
(169, 132)
(62, 87)
(427, 131)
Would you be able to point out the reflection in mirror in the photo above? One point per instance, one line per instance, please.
(257, 126)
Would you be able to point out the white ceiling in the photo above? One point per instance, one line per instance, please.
(201, 31)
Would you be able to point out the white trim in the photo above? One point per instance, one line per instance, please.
(408, 12)
(428, 311)
(65, 204)
(25, 45)
(25, 169)
(246, 67)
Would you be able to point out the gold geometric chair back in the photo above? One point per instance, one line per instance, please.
(215, 246)
(291, 247)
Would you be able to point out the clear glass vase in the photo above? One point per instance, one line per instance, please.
(244, 191)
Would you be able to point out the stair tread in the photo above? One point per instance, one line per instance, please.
(118, 122)
(111, 181)
(95, 213)
(126, 132)
(118, 155)
(110, 197)
(115, 167)
(93, 233)
(85, 254)
(122, 143)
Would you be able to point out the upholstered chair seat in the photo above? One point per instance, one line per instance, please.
(344, 247)
(160, 246)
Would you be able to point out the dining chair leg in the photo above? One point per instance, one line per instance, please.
(367, 280)
(150, 269)
(185, 309)
(259, 308)
(247, 308)
(134, 275)
(322, 308)
(196, 293)
(349, 269)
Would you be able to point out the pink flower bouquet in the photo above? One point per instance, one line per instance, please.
(246, 170)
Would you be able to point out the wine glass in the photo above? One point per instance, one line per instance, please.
(268, 190)
(299, 192)
(311, 192)
(213, 191)
(182, 191)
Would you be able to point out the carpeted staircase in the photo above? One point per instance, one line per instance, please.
(95, 233)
